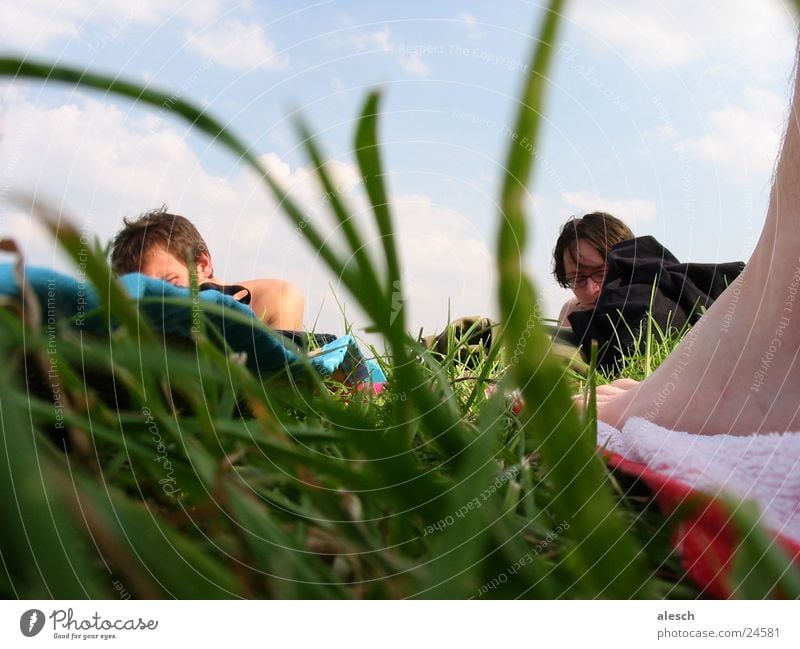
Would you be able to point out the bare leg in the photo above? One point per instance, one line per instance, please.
(738, 370)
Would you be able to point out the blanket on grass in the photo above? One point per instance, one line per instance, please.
(63, 298)
(699, 472)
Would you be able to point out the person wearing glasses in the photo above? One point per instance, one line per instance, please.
(620, 281)
(579, 258)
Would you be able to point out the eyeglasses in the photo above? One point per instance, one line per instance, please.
(579, 281)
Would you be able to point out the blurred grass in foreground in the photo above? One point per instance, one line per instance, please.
(177, 473)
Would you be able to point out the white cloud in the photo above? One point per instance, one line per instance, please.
(414, 65)
(742, 138)
(640, 33)
(445, 261)
(754, 34)
(26, 26)
(471, 24)
(280, 170)
(634, 211)
(662, 133)
(100, 163)
(381, 40)
(37, 24)
(237, 45)
(443, 256)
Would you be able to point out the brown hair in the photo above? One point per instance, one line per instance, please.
(601, 230)
(155, 228)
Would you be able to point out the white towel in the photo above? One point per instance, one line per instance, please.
(762, 468)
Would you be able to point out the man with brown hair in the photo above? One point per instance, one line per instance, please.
(158, 244)
(579, 258)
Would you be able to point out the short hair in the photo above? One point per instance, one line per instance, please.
(157, 227)
(601, 230)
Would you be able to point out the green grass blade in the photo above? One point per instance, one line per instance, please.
(358, 248)
(369, 162)
(761, 568)
(42, 545)
(605, 558)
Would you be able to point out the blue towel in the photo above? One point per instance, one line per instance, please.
(265, 350)
(64, 298)
(59, 296)
(343, 356)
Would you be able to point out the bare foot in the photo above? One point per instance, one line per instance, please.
(606, 393)
(737, 371)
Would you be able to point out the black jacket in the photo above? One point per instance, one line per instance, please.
(634, 266)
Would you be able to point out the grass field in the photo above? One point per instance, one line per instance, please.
(176, 472)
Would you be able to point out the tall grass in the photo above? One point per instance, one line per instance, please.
(179, 473)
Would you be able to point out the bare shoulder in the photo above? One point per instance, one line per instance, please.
(277, 302)
(269, 285)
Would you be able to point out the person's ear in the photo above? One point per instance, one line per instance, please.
(204, 267)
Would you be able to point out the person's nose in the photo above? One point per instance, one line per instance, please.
(593, 287)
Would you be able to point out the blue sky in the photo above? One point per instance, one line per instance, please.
(667, 114)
